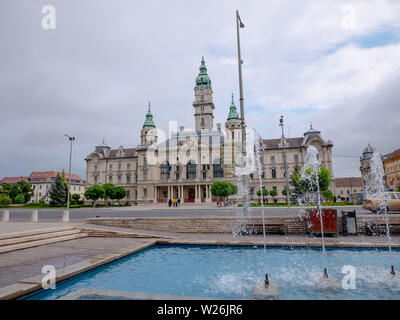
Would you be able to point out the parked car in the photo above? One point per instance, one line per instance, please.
(392, 202)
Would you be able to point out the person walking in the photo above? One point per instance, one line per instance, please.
(169, 203)
(179, 202)
(174, 202)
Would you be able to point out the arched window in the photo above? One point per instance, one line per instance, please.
(191, 170)
(218, 171)
(165, 170)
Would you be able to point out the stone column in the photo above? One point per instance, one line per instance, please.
(182, 195)
(6, 216)
(34, 217)
(65, 216)
(155, 194)
(197, 193)
(208, 199)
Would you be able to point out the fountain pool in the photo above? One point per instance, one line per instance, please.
(231, 272)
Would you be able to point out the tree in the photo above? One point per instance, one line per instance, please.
(65, 184)
(328, 195)
(119, 193)
(25, 189)
(284, 191)
(273, 193)
(223, 190)
(4, 200)
(19, 199)
(94, 193)
(109, 191)
(302, 186)
(75, 197)
(264, 193)
(57, 192)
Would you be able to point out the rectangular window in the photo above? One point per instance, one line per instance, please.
(110, 180)
(272, 159)
(204, 175)
(144, 193)
(119, 166)
(144, 175)
(296, 158)
(119, 179)
(95, 180)
(96, 168)
(110, 167)
(128, 178)
(273, 174)
(145, 161)
(128, 166)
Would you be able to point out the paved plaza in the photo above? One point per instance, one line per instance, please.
(26, 263)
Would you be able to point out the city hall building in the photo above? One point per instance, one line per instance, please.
(185, 165)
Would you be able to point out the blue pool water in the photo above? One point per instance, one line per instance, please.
(231, 273)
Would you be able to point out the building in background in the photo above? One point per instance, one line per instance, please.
(348, 189)
(365, 160)
(391, 163)
(185, 165)
(13, 180)
(42, 180)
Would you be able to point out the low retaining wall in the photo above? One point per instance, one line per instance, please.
(274, 224)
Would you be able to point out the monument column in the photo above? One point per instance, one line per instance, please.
(208, 199)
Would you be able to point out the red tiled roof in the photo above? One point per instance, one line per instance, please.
(12, 180)
(49, 175)
(349, 182)
(395, 153)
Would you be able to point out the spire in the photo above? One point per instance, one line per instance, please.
(203, 78)
(149, 123)
(233, 115)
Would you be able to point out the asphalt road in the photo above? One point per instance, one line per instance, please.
(79, 215)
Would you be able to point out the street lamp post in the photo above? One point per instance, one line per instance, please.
(239, 24)
(285, 161)
(71, 139)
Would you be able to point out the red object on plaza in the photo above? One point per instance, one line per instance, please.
(329, 220)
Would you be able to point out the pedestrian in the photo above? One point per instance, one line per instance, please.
(169, 203)
(174, 202)
(179, 202)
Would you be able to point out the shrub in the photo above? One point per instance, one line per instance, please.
(19, 199)
(4, 200)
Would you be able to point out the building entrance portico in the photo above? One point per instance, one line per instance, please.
(186, 193)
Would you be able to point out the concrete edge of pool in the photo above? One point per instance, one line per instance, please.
(32, 284)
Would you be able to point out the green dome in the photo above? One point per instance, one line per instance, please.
(233, 115)
(203, 78)
(149, 123)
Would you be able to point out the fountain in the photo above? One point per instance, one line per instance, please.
(375, 188)
(264, 289)
(309, 173)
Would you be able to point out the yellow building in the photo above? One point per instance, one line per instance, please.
(391, 163)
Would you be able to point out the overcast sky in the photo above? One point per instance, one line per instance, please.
(332, 63)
